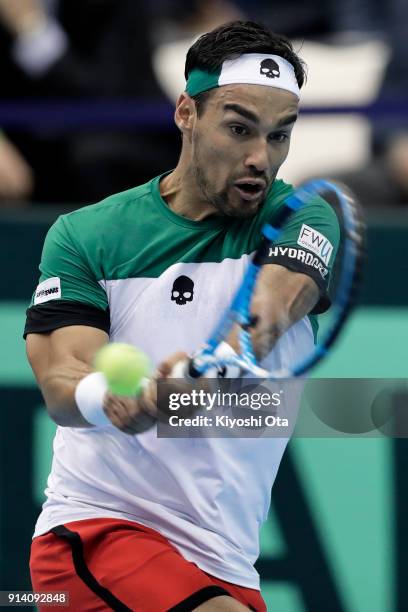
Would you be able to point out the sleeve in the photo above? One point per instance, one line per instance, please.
(68, 292)
(308, 244)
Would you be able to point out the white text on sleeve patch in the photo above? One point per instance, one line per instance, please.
(315, 241)
(49, 289)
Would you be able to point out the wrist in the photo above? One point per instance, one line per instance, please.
(89, 397)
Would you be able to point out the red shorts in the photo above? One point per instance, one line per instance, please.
(109, 564)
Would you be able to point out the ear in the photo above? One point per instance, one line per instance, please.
(185, 113)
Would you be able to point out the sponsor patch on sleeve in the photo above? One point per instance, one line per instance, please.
(296, 256)
(314, 241)
(49, 289)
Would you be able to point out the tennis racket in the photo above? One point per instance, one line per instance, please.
(345, 281)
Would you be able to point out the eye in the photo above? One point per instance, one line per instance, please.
(239, 130)
(279, 137)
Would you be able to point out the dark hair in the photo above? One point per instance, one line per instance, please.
(237, 37)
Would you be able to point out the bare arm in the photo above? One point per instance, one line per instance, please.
(60, 359)
(21, 15)
(282, 297)
(16, 177)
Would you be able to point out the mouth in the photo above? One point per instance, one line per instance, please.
(250, 190)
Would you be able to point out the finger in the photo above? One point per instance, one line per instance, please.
(117, 410)
(117, 420)
(165, 368)
(124, 424)
(148, 399)
(115, 415)
(130, 415)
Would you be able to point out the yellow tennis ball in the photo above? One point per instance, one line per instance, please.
(123, 366)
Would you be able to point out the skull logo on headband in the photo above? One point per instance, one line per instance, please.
(270, 68)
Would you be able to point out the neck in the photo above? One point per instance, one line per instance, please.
(182, 194)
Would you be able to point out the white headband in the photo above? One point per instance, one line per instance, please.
(249, 68)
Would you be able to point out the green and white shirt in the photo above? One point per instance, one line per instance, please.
(151, 278)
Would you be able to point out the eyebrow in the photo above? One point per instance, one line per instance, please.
(244, 112)
(287, 120)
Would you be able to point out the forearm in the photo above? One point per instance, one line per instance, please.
(265, 332)
(58, 388)
(20, 16)
(281, 299)
(272, 321)
(76, 396)
(60, 360)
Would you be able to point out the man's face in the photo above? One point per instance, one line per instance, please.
(238, 145)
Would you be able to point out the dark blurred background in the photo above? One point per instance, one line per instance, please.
(86, 103)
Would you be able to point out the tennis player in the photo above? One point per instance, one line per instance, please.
(135, 522)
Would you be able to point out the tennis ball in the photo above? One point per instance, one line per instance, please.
(123, 366)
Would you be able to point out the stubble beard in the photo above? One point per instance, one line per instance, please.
(220, 200)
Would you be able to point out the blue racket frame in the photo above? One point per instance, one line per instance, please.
(342, 300)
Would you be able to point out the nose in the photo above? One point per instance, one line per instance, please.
(258, 157)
